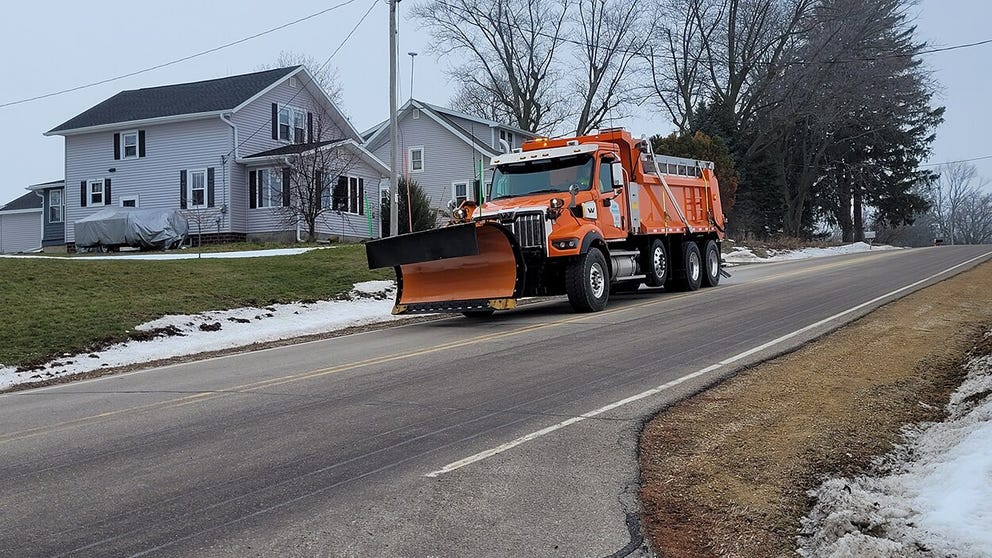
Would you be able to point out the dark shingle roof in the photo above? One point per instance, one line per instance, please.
(173, 100)
(292, 149)
(27, 201)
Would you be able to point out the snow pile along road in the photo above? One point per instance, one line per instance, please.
(180, 335)
(744, 255)
(935, 498)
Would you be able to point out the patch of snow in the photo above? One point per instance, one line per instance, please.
(183, 255)
(180, 335)
(934, 498)
(744, 255)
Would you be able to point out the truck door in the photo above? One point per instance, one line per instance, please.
(612, 215)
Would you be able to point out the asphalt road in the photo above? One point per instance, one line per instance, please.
(355, 446)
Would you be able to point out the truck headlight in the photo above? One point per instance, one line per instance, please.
(566, 243)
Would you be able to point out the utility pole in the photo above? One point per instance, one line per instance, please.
(412, 55)
(394, 191)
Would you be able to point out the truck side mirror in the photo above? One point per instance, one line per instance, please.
(617, 168)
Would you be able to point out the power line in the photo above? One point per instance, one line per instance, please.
(178, 60)
(982, 158)
(315, 71)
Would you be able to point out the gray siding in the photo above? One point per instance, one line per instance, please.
(20, 231)
(154, 178)
(54, 233)
(447, 158)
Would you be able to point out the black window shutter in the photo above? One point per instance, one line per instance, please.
(141, 143)
(106, 191)
(318, 189)
(117, 146)
(275, 121)
(310, 127)
(285, 187)
(340, 202)
(361, 196)
(182, 189)
(210, 187)
(82, 194)
(252, 189)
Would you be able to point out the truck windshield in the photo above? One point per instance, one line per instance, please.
(547, 175)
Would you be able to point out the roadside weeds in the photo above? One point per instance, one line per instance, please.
(725, 473)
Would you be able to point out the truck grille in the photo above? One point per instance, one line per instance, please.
(529, 230)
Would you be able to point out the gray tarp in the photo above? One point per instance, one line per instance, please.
(156, 229)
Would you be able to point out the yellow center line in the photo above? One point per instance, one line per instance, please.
(311, 374)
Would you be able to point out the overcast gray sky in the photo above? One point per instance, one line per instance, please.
(50, 45)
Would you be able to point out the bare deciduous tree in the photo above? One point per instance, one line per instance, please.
(614, 33)
(961, 205)
(512, 47)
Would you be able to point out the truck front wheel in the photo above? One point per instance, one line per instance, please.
(587, 282)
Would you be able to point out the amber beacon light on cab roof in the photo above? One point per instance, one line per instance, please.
(581, 216)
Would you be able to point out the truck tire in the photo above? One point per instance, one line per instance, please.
(587, 282)
(656, 264)
(711, 264)
(691, 275)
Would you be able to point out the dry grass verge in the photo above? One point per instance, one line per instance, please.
(725, 473)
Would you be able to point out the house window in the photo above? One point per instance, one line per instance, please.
(416, 159)
(459, 191)
(96, 192)
(292, 124)
(129, 145)
(129, 201)
(349, 195)
(55, 206)
(198, 188)
(270, 188)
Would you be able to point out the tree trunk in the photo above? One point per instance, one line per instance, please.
(844, 208)
(859, 224)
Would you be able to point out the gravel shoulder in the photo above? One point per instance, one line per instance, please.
(725, 473)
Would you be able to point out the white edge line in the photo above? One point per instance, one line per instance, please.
(668, 385)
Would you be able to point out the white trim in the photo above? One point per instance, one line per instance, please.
(133, 198)
(48, 198)
(189, 188)
(90, 192)
(46, 185)
(132, 123)
(137, 148)
(409, 159)
(454, 189)
(17, 211)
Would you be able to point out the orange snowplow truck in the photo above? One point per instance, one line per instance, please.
(580, 216)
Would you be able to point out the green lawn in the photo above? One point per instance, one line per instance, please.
(53, 306)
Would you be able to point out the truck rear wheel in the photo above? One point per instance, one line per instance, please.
(691, 275)
(711, 264)
(587, 282)
(656, 264)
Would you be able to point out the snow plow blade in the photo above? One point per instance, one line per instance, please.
(461, 268)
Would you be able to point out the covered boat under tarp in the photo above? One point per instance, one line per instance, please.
(148, 229)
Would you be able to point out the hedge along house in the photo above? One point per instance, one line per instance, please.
(221, 151)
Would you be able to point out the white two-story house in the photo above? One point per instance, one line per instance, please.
(225, 152)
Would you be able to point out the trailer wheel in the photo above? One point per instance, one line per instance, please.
(691, 275)
(587, 282)
(656, 264)
(711, 264)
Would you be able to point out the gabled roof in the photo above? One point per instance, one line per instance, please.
(188, 101)
(210, 96)
(26, 202)
(444, 117)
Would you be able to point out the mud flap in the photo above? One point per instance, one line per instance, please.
(470, 267)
